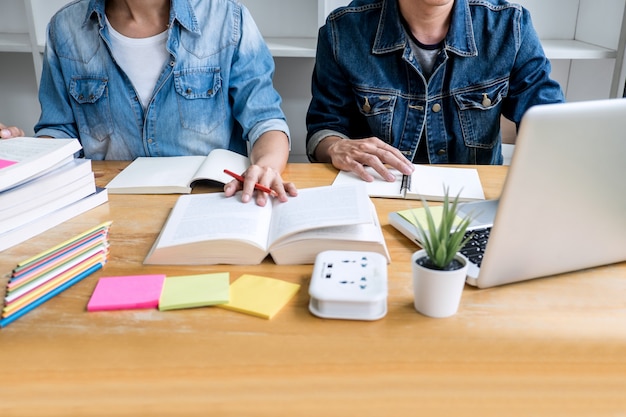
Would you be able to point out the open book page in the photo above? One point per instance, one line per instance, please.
(426, 181)
(203, 217)
(377, 188)
(320, 207)
(163, 175)
(302, 248)
(219, 159)
(429, 181)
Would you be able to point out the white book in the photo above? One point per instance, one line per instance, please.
(176, 174)
(47, 203)
(35, 227)
(427, 181)
(24, 158)
(213, 229)
(34, 192)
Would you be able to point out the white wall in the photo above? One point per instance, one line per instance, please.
(19, 105)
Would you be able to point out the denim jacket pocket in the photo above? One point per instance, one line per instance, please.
(200, 102)
(93, 112)
(479, 113)
(377, 108)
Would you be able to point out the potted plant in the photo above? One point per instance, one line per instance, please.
(439, 270)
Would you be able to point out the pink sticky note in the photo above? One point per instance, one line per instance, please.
(126, 293)
(6, 163)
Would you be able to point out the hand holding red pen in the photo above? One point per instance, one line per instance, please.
(250, 181)
(257, 186)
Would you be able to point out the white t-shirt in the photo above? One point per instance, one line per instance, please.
(142, 59)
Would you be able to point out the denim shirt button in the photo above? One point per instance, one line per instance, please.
(486, 100)
(366, 106)
(436, 107)
(441, 152)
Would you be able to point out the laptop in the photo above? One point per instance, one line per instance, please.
(563, 204)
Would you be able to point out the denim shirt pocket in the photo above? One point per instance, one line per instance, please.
(479, 113)
(93, 112)
(200, 101)
(377, 108)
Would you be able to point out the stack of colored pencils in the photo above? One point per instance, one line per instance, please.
(38, 279)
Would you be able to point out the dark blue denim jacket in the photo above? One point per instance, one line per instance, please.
(367, 82)
(215, 91)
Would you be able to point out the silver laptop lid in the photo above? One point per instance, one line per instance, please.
(563, 205)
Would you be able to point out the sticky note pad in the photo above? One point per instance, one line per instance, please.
(195, 291)
(126, 292)
(418, 215)
(259, 296)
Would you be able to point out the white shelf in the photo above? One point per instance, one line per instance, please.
(14, 42)
(580, 31)
(573, 49)
(292, 47)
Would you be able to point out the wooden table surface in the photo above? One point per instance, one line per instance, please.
(547, 347)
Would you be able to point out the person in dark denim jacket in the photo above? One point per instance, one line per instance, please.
(132, 78)
(422, 81)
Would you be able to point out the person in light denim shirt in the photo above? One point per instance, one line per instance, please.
(398, 82)
(7, 132)
(133, 78)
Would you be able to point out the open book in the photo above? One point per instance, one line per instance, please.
(427, 181)
(176, 174)
(213, 229)
(22, 159)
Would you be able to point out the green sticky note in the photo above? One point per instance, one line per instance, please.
(416, 215)
(259, 296)
(195, 291)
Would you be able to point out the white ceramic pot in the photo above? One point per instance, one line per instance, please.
(437, 293)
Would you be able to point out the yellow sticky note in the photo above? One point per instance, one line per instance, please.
(259, 296)
(195, 291)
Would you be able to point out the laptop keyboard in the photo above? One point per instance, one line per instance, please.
(474, 249)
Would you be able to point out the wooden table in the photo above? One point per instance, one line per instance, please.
(553, 346)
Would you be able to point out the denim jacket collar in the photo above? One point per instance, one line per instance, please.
(181, 11)
(391, 36)
(96, 7)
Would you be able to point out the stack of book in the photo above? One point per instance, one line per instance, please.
(41, 186)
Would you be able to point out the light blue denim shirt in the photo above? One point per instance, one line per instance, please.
(215, 91)
(367, 81)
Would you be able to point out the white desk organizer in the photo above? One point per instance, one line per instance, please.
(349, 285)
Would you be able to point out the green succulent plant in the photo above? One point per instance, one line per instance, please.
(442, 241)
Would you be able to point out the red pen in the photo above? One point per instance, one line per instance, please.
(257, 186)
